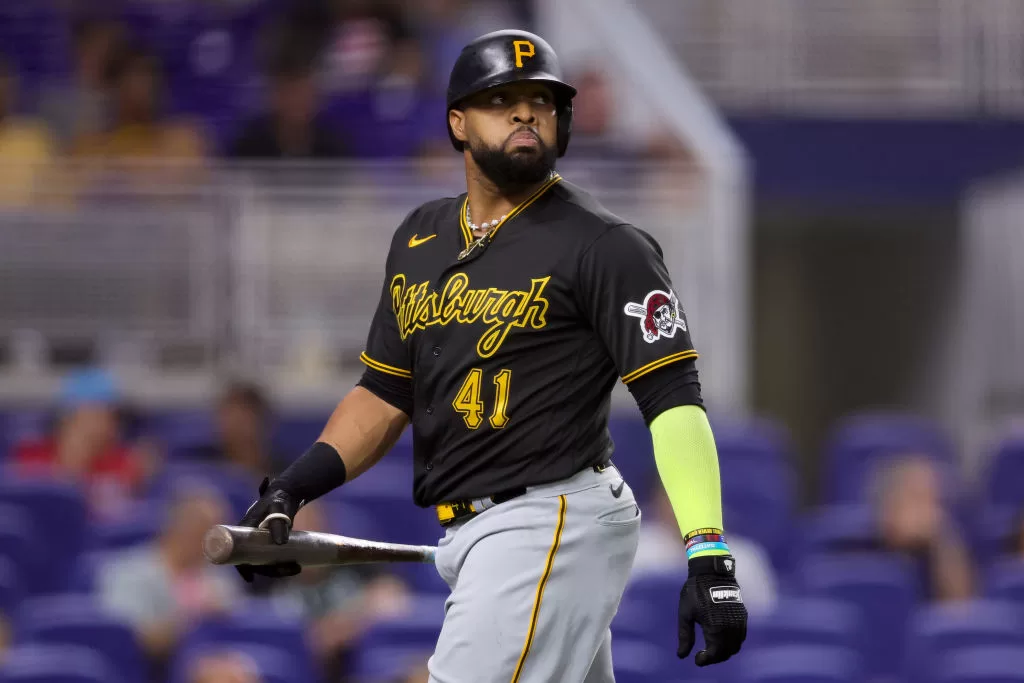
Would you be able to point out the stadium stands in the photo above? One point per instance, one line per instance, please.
(849, 610)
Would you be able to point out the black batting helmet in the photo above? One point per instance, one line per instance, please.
(506, 57)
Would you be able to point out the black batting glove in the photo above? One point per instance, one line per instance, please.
(711, 597)
(274, 510)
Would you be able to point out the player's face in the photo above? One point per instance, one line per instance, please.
(511, 132)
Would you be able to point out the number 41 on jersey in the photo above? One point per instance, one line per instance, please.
(469, 403)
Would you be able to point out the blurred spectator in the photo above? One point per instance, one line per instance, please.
(392, 116)
(225, 667)
(243, 432)
(360, 34)
(662, 549)
(87, 445)
(139, 128)
(80, 106)
(164, 587)
(293, 126)
(338, 603)
(444, 27)
(26, 146)
(912, 520)
(593, 114)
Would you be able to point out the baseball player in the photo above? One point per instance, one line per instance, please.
(507, 315)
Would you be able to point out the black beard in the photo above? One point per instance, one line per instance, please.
(514, 171)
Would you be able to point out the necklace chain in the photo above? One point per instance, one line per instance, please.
(487, 225)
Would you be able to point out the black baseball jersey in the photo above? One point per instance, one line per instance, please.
(513, 344)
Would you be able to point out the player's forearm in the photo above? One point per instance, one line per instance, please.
(361, 430)
(687, 461)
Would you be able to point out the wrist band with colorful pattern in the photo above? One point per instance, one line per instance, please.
(706, 541)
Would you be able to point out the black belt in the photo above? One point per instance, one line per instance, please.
(449, 513)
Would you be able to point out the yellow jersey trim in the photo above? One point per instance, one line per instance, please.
(540, 589)
(387, 369)
(660, 363)
(467, 234)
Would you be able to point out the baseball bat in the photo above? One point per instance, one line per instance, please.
(224, 544)
(636, 310)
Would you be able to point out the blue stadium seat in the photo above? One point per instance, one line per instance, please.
(59, 516)
(180, 431)
(1006, 472)
(641, 661)
(1005, 581)
(633, 621)
(800, 664)
(419, 626)
(806, 621)
(991, 664)
(140, 525)
(391, 646)
(756, 439)
(885, 590)
(860, 442)
(34, 39)
(650, 608)
(258, 624)
(293, 434)
(273, 665)
(238, 487)
(80, 621)
(938, 629)
(995, 526)
(10, 587)
(46, 663)
(20, 544)
(836, 528)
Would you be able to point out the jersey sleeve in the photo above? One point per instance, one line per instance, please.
(626, 293)
(385, 351)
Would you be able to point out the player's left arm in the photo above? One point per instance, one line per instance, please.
(627, 294)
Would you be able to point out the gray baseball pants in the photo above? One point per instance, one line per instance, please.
(535, 582)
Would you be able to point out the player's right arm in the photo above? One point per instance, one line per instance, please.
(363, 427)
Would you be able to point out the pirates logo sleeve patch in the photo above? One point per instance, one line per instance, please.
(659, 315)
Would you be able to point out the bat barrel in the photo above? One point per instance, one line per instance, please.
(233, 545)
(219, 545)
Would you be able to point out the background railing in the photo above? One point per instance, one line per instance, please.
(920, 57)
(170, 272)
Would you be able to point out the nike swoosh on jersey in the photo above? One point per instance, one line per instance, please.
(617, 491)
(416, 241)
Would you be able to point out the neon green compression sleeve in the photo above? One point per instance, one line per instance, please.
(687, 462)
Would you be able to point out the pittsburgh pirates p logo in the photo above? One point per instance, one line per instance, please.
(524, 49)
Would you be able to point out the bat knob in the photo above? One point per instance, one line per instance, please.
(218, 544)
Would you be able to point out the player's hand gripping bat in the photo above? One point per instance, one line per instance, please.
(225, 544)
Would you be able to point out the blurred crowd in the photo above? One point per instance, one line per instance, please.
(909, 534)
(177, 85)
